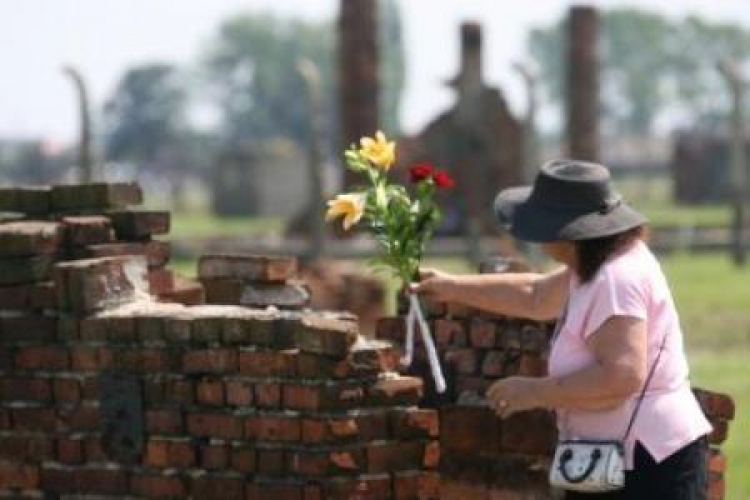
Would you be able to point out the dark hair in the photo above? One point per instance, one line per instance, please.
(592, 253)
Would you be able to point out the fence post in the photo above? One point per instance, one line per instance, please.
(738, 170)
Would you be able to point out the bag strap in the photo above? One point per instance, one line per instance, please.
(645, 387)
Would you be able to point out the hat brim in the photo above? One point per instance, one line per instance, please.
(535, 222)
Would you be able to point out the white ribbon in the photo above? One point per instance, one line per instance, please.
(415, 315)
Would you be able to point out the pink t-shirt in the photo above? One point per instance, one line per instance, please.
(630, 283)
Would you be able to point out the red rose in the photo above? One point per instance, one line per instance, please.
(421, 172)
(443, 179)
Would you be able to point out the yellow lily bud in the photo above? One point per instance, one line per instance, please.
(378, 150)
(350, 205)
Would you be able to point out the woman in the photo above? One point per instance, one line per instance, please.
(615, 308)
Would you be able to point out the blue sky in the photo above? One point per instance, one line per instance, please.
(104, 37)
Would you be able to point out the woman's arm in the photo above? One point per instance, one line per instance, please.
(527, 295)
(619, 371)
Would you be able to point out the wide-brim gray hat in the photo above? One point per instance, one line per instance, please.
(570, 200)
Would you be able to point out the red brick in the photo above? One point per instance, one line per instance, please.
(534, 339)
(321, 397)
(509, 335)
(186, 292)
(14, 297)
(160, 281)
(431, 458)
(531, 365)
(70, 451)
(178, 391)
(323, 335)
(392, 329)
(240, 393)
(326, 462)
(475, 385)
(210, 391)
(89, 285)
(30, 448)
(530, 432)
(416, 485)
(42, 358)
(399, 390)
(93, 449)
(268, 363)
(217, 488)
(475, 430)
(145, 360)
(139, 225)
(37, 329)
(214, 456)
(463, 360)
(370, 487)
(714, 404)
(243, 459)
(277, 491)
(157, 486)
(362, 426)
(720, 432)
(43, 295)
(716, 460)
(210, 361)
(482, 333)
(21, 476)
(25, 389)
(95, 196)
(164, 453)
(268, 395)
(214, 425)
(24, 238)
(164, 421)
(395, 455)
(248, 267)
(273, 428)
(89, 481)
(87, 230)
(270, 462)
(494, 364)
(79, 418)
(34, 419)
(66, 390)
(446, 330)
(90, 359)
(716, 488)
(415, 423)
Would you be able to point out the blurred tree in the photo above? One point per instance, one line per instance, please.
(392, 70)
(145, 114)
(251, 69)
(650, 65)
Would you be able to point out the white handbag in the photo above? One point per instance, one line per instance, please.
(594, 465)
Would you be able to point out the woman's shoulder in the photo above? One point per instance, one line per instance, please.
(634, 265)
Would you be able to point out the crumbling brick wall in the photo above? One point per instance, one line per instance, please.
(482, 456)
(107, 393)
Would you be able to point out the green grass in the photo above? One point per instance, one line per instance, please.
(713, 299)
(653, 197)
(728, 371)
(203, 224)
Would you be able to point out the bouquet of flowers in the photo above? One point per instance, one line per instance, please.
(401, 220)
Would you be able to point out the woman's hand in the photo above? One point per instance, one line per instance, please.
(437, 285)
(513, 394)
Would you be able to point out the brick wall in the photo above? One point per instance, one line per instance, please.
(107, 393)
(482, 456)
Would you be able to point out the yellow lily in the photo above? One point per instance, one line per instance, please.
(378, 150)
(350, 205)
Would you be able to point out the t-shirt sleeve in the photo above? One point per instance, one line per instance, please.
(616, 292)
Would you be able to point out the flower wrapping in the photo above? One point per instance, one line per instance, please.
(401, 218)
